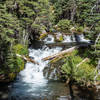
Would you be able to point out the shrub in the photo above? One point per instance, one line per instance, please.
(64, 25)
(80, 29)
(20, 49)
(82, 74)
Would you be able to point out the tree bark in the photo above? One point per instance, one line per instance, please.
(27, 59)
(60, 53)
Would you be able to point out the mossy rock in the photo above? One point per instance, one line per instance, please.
(42, 36)
(20, 63)
(59, 38)
(11, 76)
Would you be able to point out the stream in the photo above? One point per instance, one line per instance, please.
(31, 84)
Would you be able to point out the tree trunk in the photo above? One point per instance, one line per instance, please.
(27, 59)
(60, 53)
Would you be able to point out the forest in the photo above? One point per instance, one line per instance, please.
(59, 37)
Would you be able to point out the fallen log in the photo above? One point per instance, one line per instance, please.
(60, 53)
(66, 44)
(59, 58)
(27, 59)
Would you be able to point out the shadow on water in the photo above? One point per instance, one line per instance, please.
(4, 91)
(55, 90)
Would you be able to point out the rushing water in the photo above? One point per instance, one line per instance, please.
(32, 85)
(67, 38)
(49, 39)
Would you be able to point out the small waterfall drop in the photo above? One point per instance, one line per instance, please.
(32, 85)
(67, 38)
(81, 38)
(49, 39)
(33, 73)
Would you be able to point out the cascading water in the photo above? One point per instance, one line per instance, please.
(67, 38)
(72, 38)
(81, 38)
(32, 85)
(49, 39)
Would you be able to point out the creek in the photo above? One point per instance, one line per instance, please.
(31, 84)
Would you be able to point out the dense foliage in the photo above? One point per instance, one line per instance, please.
(22, 21)
(19, 20)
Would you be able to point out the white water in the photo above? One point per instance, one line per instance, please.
(81, 38)
(33, 73)
(49, 39)
(32, 85)
(71, 38)
(67, 38)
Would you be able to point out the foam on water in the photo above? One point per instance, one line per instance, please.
(67, 38)
(49, 39)
(33, 73)
(81, 38)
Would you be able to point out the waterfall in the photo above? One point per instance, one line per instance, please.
(81, 38)
(32, 85)
(33, 73)
(49, 39)
(67, 38)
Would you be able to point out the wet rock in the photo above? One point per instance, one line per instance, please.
(58, 37)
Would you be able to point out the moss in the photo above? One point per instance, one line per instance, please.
(15, 64)
(58, 38)
(20, 49)
(11, 76)
(61, 38)
(79, 30)
(20, 63)
(42, 36)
